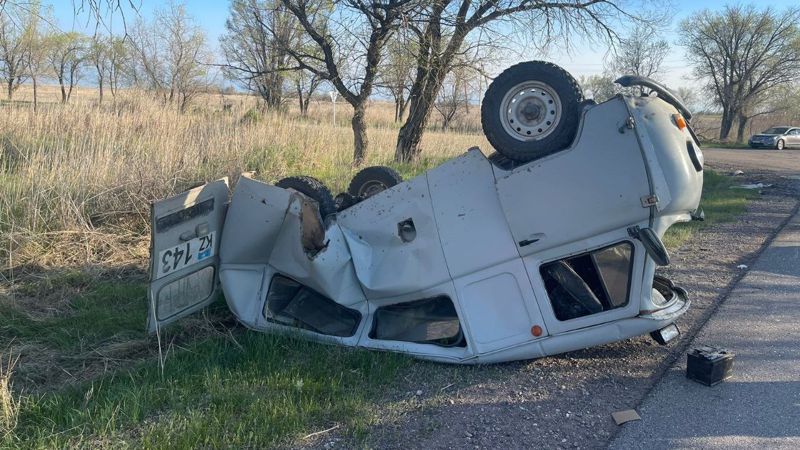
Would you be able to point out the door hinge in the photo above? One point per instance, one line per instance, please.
(630, 123)
(649, 201)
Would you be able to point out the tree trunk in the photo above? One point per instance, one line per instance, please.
(10, 88)
(63, 91)
(740, 129)
(35, 97)
(403, 105)
(100, 85)
(410, 134)
(419, 114)
(725, 124)
(303, 105)
(359, 133)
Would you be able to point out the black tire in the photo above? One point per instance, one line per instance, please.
(502, 162)
(371, 180)
(344, 200)
(556, 135)
(313, 189)
(780, 145)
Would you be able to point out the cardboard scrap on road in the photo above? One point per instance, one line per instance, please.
(628, 415)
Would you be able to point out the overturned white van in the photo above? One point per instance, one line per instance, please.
(548, 246)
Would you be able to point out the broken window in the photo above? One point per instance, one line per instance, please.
(428, 321)
(589, 283)
(290, 303)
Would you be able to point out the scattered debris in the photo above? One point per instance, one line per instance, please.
(628, 415)
(742, 266)
(709, 365)
(752, 186)
(737, 172)
(317, 433)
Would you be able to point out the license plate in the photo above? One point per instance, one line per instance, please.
(186, 254)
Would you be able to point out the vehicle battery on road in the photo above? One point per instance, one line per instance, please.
(709, 365)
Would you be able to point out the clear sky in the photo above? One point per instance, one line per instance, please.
(583, 59)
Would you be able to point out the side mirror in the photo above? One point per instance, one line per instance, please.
(652, 244)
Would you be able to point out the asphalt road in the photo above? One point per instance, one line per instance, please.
(759, 407)
(784, 162)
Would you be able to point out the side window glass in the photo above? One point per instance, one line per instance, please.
(290, 303)
(589, 283)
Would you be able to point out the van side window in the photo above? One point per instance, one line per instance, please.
(589, 283)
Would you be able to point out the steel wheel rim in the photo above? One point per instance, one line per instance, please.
(371, 188)
(530, 111)
(780, 145)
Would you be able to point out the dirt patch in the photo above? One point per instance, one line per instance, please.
(566, 401)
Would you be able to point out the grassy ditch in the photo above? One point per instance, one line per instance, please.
(721, 201)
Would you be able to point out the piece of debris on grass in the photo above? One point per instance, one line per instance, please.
(737, 172)
(742, 266)
(628, 415)
(751, 186)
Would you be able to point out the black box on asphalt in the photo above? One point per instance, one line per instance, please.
(709, 365)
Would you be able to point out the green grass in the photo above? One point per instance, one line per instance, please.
(724, 144)
(720, 203)
(103, 310)
(221, 390)
(256, 392)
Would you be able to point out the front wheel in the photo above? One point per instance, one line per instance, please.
(531, 110)
(780, 144)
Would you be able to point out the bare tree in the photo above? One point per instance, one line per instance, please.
(258, 34)
(98, 54)
(36, 35)
(689, 97)
(742, 52)
(14, 46)
(354, 36)
(599, 87)
(170, 56)
(66, 53)
(443, 27)
(452, 97)
(397, 73)
(118, 61)
(640, 53)
(305, 85)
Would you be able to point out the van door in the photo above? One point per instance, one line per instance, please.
(184, 252)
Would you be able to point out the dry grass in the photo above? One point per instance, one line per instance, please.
(76, 180)
(9, 403)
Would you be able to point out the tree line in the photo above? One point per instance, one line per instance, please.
(167, 56)
(427, 56)
(745, 58)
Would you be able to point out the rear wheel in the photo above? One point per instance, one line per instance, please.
(531, 110)
(372, 180)
(313, 189)
(344, 200)
(780, 144)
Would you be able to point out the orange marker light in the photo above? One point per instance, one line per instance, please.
(536, 330)
(679, 121)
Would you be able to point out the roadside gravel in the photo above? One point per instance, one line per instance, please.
(566, 401)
